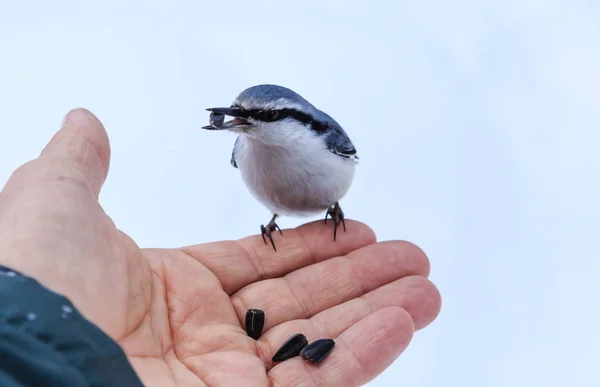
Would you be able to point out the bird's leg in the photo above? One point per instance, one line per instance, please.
(338, 216)
(271, 226)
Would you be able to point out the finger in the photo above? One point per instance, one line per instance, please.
(360, 354)
(239, 263)
(312, 289)
(415, 294)
(83, 144)
(78, 153)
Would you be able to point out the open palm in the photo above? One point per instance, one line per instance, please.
(178, 313)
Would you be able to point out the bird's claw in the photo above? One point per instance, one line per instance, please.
(268, 229)
(338, 216)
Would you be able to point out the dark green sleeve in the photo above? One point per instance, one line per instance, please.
(46, 342)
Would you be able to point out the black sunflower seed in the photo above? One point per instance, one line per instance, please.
(318, 350)
(216, 119)
(255, 321)
(291, 347)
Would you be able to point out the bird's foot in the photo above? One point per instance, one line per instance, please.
(268, 229)
(338, 216)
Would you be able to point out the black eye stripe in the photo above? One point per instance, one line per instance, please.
(318, 126)
(282, 114)
(278, 115)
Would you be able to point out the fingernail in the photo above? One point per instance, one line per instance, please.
(255, 321)
(64, 121)
(318, 350)
(291, 347)
(73, 112)
(67, 117)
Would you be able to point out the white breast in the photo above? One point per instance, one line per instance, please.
(300, 178)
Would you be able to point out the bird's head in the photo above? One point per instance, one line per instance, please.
(269, 113)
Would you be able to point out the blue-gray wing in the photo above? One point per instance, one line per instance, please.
(336, 139)
(339, 143)
(233, 153)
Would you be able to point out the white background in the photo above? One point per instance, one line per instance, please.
(477, 124)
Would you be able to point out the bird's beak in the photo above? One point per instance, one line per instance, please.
(239, 123)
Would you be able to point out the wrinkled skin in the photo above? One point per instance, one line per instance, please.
(177, 313)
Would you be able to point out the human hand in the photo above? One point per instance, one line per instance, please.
(178, 313)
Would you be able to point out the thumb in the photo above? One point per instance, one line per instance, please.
(83, 143)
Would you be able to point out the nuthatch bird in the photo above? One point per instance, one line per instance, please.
(295, 159)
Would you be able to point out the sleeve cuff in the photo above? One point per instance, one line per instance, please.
(45, 341)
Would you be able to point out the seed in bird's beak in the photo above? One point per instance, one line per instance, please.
(217, 119)
(255, 321)
(318, 350)
(292, 347)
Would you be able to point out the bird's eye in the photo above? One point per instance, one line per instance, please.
(272, 115)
